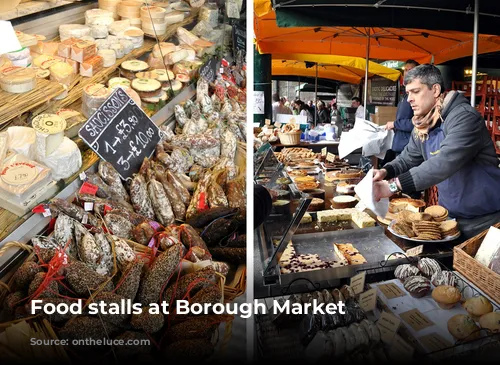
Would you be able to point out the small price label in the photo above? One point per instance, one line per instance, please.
(88, 206)
(368, 300)
(46, 213)
(88, 188)
(40, 209)
(330, 157)
(358, 282)
(324, 151)
(85, 219)
(388, 325)
(415, 251)
(83, 176)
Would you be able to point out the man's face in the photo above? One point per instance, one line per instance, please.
(355, 104)
(408, 67)
(421, 98)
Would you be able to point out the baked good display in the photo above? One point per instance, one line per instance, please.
(400, 204)
(295, 154)
(283, 180)
(361, 219)
(477, 307)
(344, 201)
(146, 88)
(438, 213)
(316, 204)
(298, 173)
(425, 230)
(281, 206)
(345, 188)
(417, 286)
(315, 193)
(307, 185)
(306, 218)
(443, 278)
(449, 228)
(402, 272)
(428, 266)
(463, 327)
(304, 179)
(306, 165)
(351, 253)
(403, 229)
(446, 296)
(291, 262)
(490, 321)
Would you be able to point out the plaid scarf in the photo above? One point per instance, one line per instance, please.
(425, 123)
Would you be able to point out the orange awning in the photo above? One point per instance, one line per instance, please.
(423, 46)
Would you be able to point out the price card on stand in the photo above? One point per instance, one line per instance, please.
(324, 151)
(358, 282)
(368, 300)
(209, 69)
(415, 251)
(330, 157)
(121, 133)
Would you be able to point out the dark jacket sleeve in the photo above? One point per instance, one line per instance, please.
(460, 145)
(262, 205)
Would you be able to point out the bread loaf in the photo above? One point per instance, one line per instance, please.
(463, 327)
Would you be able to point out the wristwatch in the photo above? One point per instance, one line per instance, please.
(393, 187)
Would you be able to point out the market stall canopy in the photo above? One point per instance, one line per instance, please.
(424, 46)
(455, 15)
(352, 68)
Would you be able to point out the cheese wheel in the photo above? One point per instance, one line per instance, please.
(62, 73)
(176, 86)
(109, 57)
(153, 12)
(18, 80)
(133, 94)
(67, 31)
(164, 75)
(154, 29)
(115, 81)
(99, 17)
(127, 45)
(25, 62)
(21, 54)
(118, 48)
(163, 48)
(118, 27)
(162, 96)
(39, 60)
(94, 95)
(174, 17)
(146, 85)
(134, 66)
(102, 44)
(134, 22)
(64, 161)
(49, 129)
(99, 31)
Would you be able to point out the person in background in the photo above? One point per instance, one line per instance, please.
(449, 147)
(323, 115)
(360, 109)
(295, 108)
(305, 110)
(403, 124)
(278, 107)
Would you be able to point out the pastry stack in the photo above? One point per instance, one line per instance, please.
(402, 204)
(427, 230)
(449, 228)
(438, 213)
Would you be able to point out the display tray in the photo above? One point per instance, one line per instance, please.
(337, 168)
(371, 243)
(446, 239)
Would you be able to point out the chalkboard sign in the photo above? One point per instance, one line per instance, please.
(209, 69)
(382, 91)
(121, 133)
(239, 39)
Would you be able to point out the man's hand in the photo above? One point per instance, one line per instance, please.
(389, 126)
(273, 193)
(381, 190)
(379, 175)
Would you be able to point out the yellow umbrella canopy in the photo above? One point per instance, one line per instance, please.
(341, 68)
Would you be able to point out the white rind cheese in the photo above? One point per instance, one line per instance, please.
(127, 45)
(109, 57)
(118, 48)
(17, 80)
(21, 54)
(67, 31)
(99, 31)
(49, 129)
(22, 141)
(64, 161)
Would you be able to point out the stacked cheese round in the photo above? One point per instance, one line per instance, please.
(62, 73)
(99, 17)
(21, 58)
(109, 57)
(135, 35)
(67, 31)
(118, 27)
(18, 80)
(102, 44)
(94, 95)
(161, 49)
(49, 130)
(99, 31)
(111, 6)
(174, 17)
(117, 81)
(153, 20)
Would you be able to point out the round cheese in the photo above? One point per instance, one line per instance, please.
(109, 57)
(99, 17)
(131, 92)
(153, 12)
(67, 31)
(118, 49)
(65, 161)
(164, 75)
(102, 44)
(99, 31)
(176, 85)
(133, 33)
(115, 81)
(134, 66)
(21, 54)
(162, 96)
(118, 27)
(127, 45)
(18, 80)
(145, 85)
(94, 95)
(113, 39)
(42, 74)
(163, 48)
(25, 62)
(64, 94)
(174, 17)
(183, 78)
(147, 75)
(49, 129)
(39, 60)
(62, 73)
(22, 141)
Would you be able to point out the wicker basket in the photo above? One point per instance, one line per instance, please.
(290, 138)
(463, 261)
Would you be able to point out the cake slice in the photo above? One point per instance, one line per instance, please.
(307, 218)
(350, 253)
(344, 201)
(326, 216)
(362, 219)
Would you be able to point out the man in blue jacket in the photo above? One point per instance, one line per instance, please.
(449, 147)
(403, 125)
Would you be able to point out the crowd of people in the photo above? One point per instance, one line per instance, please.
(324, 112)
